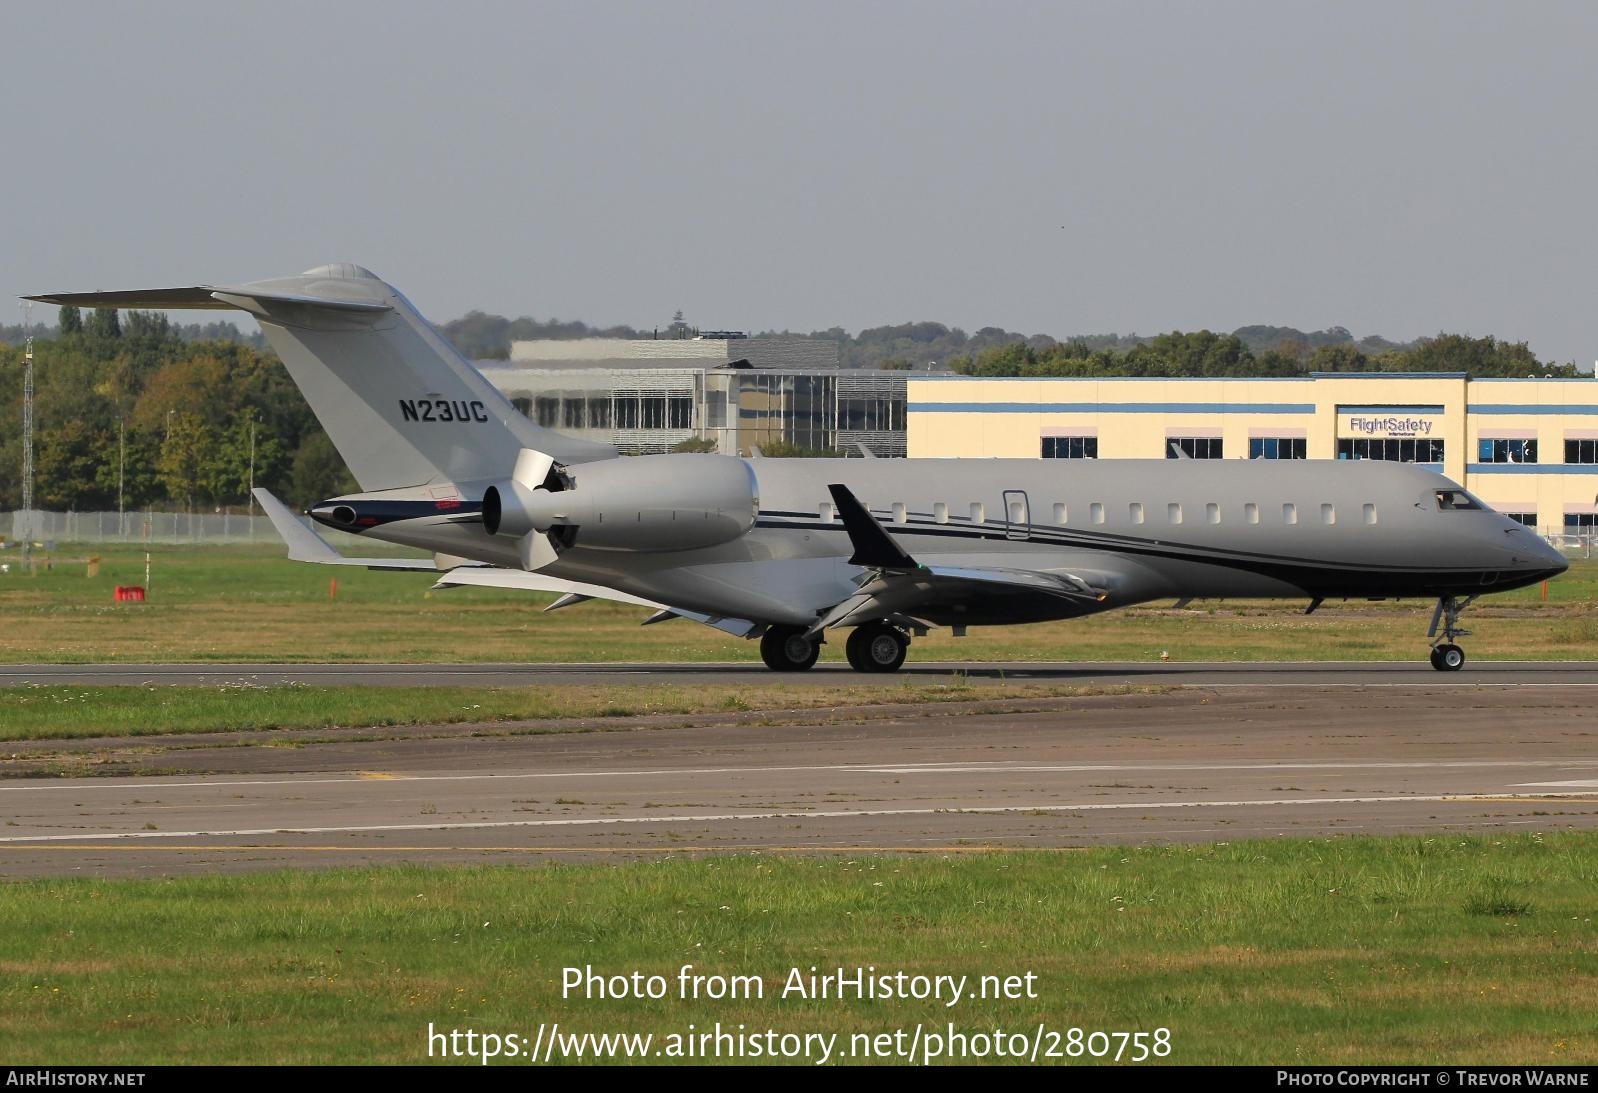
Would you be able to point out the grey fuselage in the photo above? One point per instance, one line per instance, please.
(1137, 529)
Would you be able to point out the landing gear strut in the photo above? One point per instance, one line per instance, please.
(1446, 656)
(786, 649)
(876, 647)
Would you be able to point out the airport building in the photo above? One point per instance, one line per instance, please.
(649, 395)
(1527, 447)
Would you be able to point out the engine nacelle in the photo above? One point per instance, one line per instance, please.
(644, 503)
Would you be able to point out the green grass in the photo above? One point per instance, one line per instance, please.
(69, 712)
(241, 603)
(1335, 951)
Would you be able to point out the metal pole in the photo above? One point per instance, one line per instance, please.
(122, 459)
(27, 421)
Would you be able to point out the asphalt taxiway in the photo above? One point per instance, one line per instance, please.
(1291, 673)
(1482, 750)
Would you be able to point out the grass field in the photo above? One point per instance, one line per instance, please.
(67, 712)
(239, 603)
(1400, 950)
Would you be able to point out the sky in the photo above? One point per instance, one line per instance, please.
(1060, 168)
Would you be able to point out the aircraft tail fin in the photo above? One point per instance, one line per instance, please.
(400, 404)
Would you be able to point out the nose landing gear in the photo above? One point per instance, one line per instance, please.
(1446, 656)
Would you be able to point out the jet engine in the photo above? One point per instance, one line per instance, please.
(644, 503)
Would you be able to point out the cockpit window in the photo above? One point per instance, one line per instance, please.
(1449, 500)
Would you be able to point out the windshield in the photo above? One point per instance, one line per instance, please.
(1451, 500)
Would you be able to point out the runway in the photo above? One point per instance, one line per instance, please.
(1233, 674)
(1199, 762)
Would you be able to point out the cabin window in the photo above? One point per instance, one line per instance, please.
(940, 512)
(1059, 512)
(1251, 513)
(1097, 511)
(1135, 510)
(1370, 513)
(1289, 513)
(1212, 513)
(1070, 447)
(1173, 512)
(979, 515)
(899, 512)
(826, 512)
(1328, 514)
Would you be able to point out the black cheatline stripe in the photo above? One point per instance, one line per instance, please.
(1130, 545)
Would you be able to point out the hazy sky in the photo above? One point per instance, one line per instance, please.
(1395, 168)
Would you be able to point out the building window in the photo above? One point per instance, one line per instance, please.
(1278, 447)
(1580, 521)
(1397, 451)
(1070, 447)
(546, 411)
(1581, 451)
(1194, 447)
(1529, 519)
(1506, 451)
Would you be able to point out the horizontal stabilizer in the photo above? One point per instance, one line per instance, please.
(202, 298)
(306, 545)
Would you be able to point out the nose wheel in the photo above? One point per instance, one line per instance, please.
(876, 647)
(1447, 656)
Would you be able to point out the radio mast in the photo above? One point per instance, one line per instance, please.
(27, 417)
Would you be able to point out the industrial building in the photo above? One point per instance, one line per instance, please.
(1527, 447)
(649, 395)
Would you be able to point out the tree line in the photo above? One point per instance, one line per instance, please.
(164, 415)
(128, 407)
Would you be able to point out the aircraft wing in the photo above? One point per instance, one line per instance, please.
(576, 591)
(900, 588)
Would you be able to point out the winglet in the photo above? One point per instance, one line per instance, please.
(303, 543)
(873, 546)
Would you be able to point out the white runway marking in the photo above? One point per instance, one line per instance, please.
(1589, 784)
(786, 815)
(375, 778)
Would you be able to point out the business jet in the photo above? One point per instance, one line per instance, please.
(788, 551)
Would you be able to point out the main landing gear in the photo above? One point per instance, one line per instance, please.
(872, 647)
(1446, 656)
(786, 649)
(877, 647)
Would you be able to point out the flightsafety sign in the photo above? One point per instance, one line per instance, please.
(1389, 424)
